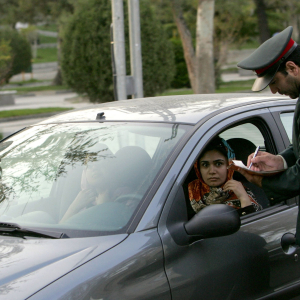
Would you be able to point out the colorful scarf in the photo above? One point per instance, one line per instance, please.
(201, 194)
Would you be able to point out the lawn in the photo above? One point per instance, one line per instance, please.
(225, 87)
(48, 27)
(46, 55)
(47, 39)
(34, 111)
(24, 89)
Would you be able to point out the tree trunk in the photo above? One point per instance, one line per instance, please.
(264, 31)
(187, 42)
(205, 77)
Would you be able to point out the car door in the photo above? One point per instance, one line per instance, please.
(244, 265)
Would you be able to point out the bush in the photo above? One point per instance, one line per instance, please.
(20, 52)
(5, 59)
(86, 53)
(181, 78)
(157, 53)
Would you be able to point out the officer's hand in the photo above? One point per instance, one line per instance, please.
(265, 161)
(256, 179)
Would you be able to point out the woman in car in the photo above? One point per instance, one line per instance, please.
(95, 183)
(114, 177)
(215, 185)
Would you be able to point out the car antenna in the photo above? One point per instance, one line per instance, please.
(100, 116)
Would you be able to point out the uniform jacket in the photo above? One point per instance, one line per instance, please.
(287, 184)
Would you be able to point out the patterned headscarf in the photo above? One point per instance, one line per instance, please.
(201, 194)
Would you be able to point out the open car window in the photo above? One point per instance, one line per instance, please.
(246, 131)
(82, 178)
(243, 139)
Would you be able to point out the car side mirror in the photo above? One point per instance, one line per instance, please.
(288, 243)
(214, 221)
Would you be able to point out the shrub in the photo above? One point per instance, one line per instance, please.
(5, 59)
(86, 53)
(20, 52)
(181, 78)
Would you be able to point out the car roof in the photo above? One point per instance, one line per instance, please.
(189, 109)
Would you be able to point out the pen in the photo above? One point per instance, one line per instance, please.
(255, 153)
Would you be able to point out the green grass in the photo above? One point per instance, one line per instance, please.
(47, 39)
(230, 70)
(27, 112)
(233, 89)
(48, 27)
(251, 44)
(22, 90)
(176, 92)
(21, 83)
(226, 87)
(46, 55)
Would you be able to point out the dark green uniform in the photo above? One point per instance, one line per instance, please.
(287, 184)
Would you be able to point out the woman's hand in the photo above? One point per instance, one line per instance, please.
(83, 200)
(239, 191)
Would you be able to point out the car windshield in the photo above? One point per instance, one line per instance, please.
(82, 179)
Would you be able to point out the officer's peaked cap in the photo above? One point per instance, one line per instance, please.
(267, 58)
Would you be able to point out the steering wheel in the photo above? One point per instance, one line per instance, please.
(124, 198)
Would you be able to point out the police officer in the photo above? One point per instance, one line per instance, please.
(277, 65)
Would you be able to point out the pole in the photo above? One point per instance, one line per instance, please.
(119, 48)
(135, 47)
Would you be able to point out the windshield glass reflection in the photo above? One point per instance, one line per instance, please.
(81, 177)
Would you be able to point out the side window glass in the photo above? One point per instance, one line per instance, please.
(287, 121)
(247, 131)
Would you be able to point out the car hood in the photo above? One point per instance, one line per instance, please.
(29, 265)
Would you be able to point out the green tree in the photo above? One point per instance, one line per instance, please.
(234, 23)
(282, 14)
(86, 53)
(20, 52)
(181, 78)
(5, 59)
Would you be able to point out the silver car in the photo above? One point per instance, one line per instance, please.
(94, 205)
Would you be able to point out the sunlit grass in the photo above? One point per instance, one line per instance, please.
(45, 55)
(225, 87)
(47, 39)
(24, 89)
(48, 27)
(34, 111)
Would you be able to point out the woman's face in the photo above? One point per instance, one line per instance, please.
(95, 175)
(213, 168)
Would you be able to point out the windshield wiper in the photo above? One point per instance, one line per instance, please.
(14, 229)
